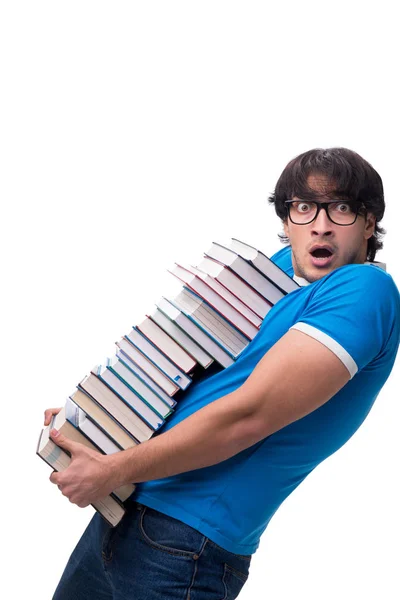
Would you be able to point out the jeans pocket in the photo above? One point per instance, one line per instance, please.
(233, 581)
(169, 535)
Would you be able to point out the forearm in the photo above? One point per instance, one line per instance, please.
(209, 436)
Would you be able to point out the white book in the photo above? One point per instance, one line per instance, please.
(216, 301)
(182, 338)
(167, 345)
(227, 295)
(233, 341)
(237, 286)
(246, 271)
(198, 334)
(265, 265)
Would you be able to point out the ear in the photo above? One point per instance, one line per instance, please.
(369, 228)
(286, 228)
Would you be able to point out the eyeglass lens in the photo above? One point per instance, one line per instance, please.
(341, 213)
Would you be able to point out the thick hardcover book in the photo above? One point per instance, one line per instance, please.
(131, 398)
(110, 508)
(62, 424)
(227, 295)
(223, 275)
(87, 427)
(246, 271)
(182, 338)
(198, 333)
(216, 301)
(147, 397)
(143, 376)
(158, 358)
(167, 345)
(140, 359)
(115, 407)
(229, 337)
(103, 419)
(265, 265)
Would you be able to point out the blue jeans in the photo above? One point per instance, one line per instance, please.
(150, 556)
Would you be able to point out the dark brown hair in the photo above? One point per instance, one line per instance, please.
(353, 178)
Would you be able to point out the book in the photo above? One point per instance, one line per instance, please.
(227, 295)
(188, 325)
(158, 358)
(80, 421)
(103, 420)
(124, 401)
(141, 360)
(212, 323)
(115, 406)
(110, 508)
(168, 400)
(147, 399)
(182, 338)
(167, 345)
(265, 265)
(236, 286)
(246, 271)
(132, 399)
(216, 301)
(64, 426)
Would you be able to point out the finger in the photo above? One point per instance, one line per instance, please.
(48, 413)
(64, 442)
(55, 478)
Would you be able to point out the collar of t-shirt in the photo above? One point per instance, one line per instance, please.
(302, 282)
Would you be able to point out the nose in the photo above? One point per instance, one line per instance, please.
(322, 224)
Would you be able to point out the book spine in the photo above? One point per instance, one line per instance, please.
(120, 423)
(162, 362)
(138, 394)
(143, 376)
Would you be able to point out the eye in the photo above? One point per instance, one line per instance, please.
(341, 207)
(302, 207)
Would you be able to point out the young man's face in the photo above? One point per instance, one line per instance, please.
(347, 244)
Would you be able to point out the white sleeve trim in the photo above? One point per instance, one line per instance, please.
(330, 343)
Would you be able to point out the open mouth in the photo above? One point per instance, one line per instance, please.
(321, 257)
(321, 253)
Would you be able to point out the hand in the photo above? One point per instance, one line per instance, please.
(48, 413)
(90, 475)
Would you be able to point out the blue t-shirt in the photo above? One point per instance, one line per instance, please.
(354, 310)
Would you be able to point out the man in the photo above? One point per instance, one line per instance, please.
(243, 439)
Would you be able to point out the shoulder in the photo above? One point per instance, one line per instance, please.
(360, 294)
(359, 279)
(357, 306)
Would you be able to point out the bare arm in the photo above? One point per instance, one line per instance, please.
(296, 376)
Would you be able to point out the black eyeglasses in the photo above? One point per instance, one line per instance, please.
(303, 212)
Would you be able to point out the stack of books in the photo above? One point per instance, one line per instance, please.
(124, 401)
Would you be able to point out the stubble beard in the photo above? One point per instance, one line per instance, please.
(350, 258)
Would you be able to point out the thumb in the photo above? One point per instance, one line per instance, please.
(62, 441)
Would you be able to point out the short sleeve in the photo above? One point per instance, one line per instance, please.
(354, 311)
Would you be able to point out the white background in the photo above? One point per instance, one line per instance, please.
(132, 135)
